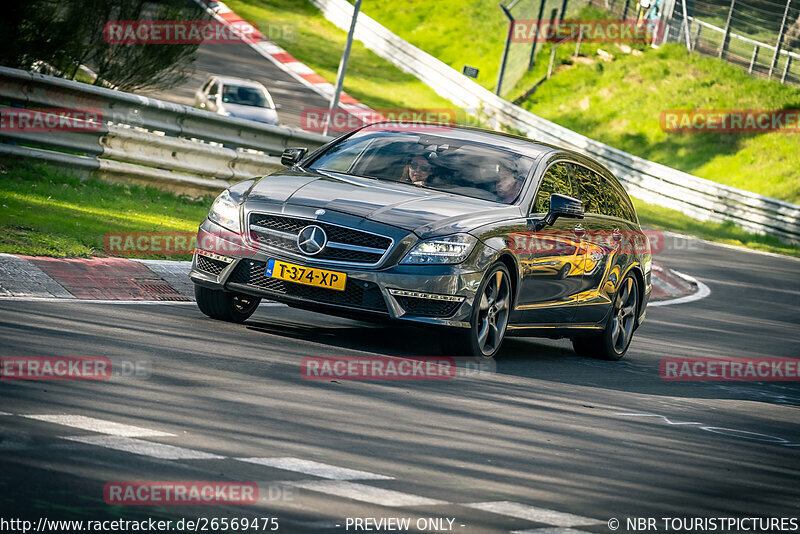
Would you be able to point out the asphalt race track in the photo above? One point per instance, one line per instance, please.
(549, 440)
(242, 61)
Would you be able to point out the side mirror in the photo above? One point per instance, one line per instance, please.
(560, 206)
(291, 156)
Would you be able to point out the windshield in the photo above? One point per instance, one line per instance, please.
(245, 96)
(431, 161)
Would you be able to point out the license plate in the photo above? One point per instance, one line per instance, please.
(306, 275)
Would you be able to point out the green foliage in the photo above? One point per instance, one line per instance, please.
(51, 213)
(66, 34)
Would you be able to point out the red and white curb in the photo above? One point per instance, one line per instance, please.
(136, 281)
(288, 63)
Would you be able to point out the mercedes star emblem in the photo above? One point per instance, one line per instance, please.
(311, 240)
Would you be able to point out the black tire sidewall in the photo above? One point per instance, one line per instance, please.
(473, 330)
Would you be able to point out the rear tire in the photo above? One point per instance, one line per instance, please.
(613, 342)
(225, 306)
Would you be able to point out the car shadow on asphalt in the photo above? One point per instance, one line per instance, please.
(535, 358)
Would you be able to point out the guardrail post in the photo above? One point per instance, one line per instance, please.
(786, 68)
(753, 59)
(780, 39)
(727, 35)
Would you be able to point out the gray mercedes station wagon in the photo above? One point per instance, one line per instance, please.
(479, 233)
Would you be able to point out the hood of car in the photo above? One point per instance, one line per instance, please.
(424, 211)
(252, 113)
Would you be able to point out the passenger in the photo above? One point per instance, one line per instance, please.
(418, 171)
(508, 183)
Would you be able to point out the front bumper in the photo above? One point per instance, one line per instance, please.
(427, 294)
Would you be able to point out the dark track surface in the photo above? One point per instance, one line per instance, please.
(546, 430)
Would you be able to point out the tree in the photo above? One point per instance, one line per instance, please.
(69, 34)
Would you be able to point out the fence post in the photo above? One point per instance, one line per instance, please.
(532, 59)
(697, 35)
(625, 9)
(724, 45)
(553, 15)
(578, 44)
(563, 10)
(786, 68)
(552, 60)
(780, 39)
(753, 59)
(686, 26)
(505, 49)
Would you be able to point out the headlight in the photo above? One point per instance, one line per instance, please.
(440, 250)
(225, 212)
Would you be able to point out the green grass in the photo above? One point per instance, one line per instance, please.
(319, 44)
(44, 212)
(667, 79)
(473, 33)
(620, 102)
(666, 219)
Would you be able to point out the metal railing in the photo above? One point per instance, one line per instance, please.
(141, 139)
(652, 182)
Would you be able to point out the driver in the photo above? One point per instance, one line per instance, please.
(508, 184)
(418, 171)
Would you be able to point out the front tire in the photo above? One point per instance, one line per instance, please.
(613, 342)
(225, 306)
(490, 314)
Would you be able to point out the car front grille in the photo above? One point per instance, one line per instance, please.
(344, 244)
(356, 294)
(210, 265)
(428, 307)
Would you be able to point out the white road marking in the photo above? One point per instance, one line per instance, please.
(144, 448)
(549, 530)
(363, 493)
(99, 425)
(4, 413)
(310, 467)
(702, 292)
(533, 513)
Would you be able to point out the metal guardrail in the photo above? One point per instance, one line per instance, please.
(652, 182)
(142, 139)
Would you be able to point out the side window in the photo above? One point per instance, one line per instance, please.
(616, 201)
(555, 180)
(589, 187)
(340, 158)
